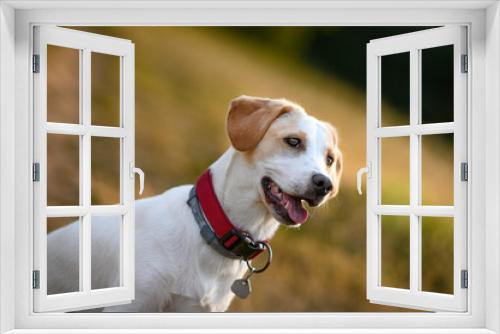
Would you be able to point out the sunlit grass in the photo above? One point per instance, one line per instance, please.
(185, 78)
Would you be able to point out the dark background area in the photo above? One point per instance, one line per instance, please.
(341, 52)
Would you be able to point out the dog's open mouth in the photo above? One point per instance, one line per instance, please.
(288, 209)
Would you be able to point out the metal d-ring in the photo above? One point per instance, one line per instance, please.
(269, 252)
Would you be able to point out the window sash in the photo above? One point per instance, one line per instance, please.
(414, 297)
(86, 43)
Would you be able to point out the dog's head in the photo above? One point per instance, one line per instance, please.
(295, 156)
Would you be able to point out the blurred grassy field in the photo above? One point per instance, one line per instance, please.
(185, 78)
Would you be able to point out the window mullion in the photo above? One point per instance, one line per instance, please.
(123, 174)
(415, 257)
(127, 159)
(85, 166)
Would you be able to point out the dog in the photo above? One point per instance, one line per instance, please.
(280, 159)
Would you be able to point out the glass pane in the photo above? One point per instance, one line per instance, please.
(63, 84)
(63, 170)
(395, 170)
(105, 90)
(437, 254)
(63, 255)
(395, 90)
(437, 84)
(437, 169)
(395, 241)
(106, 243)
(105, 170)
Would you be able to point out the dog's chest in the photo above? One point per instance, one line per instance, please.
(216, 291)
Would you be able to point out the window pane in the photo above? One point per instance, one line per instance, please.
(437, 169)
(395, 241)
(395, 173)
(63, 170)
(395, 90)
(106, 232)
(437, 254)
(63, 84)
(105, 170)
(63, 255)
(105, 89)
(437, 84)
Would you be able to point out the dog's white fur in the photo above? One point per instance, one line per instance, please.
(176, 271)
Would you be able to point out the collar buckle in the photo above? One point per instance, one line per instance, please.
(216, 228)
(241, 244)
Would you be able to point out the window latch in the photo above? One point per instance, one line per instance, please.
(135, 170)
(365, 170)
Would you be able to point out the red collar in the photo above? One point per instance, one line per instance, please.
(238, 243)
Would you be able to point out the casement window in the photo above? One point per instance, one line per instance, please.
(413, 214)
(410, 215)
(83, 131)
(416, 210)
(471, 34)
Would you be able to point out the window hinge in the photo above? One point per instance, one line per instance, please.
(464, 171)
(36, 63)
(36, 279)
(36, 172)
(464, 279)
(465, 64)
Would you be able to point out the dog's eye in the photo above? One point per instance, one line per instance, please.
(329, 160)
(293, 142)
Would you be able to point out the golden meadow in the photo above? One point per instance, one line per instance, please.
(185, 78)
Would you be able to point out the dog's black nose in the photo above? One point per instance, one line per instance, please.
(322, 184)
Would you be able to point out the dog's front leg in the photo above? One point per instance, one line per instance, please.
(180, 303)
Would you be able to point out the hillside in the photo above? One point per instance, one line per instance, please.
(185, 78)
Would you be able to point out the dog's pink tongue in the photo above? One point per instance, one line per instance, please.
(296, 211)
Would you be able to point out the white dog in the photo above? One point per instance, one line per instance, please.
(280, 158)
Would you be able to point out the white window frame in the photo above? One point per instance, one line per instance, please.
(85, 43)
(16, 20)
(413, 44)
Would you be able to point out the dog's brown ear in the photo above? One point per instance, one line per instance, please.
(250, 117)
